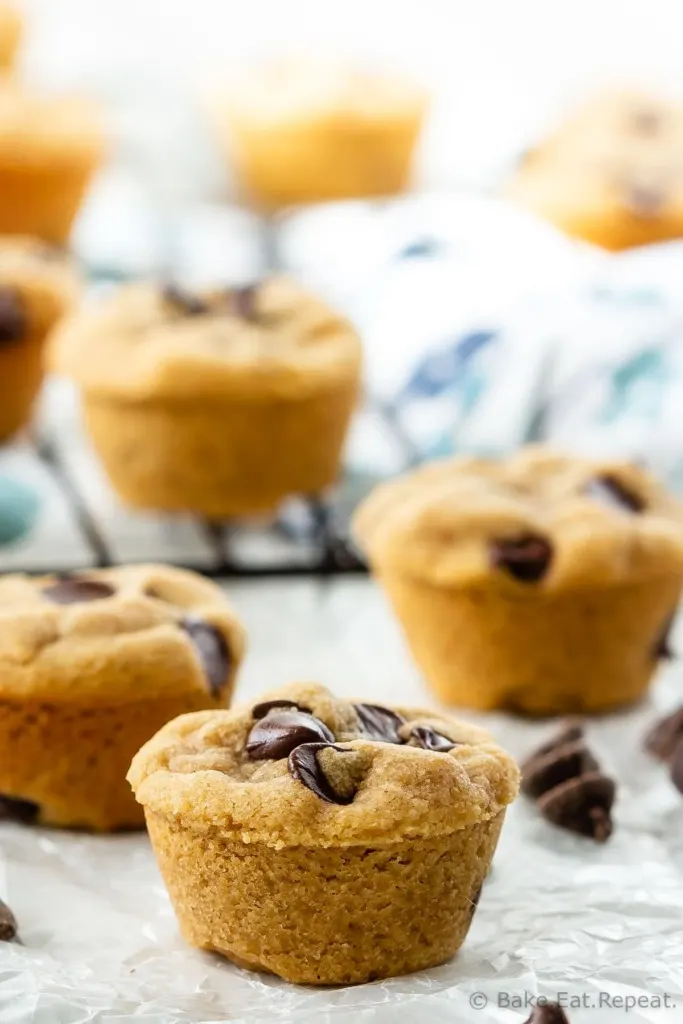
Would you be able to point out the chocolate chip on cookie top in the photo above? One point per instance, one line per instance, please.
(277, 770)
(139, 615)
(239, 301)
(538, 521)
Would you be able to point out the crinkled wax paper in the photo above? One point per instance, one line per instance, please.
(557, 915)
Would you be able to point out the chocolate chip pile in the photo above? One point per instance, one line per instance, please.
(284, 728)
(665, 742)
(568, 786)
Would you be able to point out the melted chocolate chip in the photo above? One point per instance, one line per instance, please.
(76, 589)
(13, 808)
(525, 558)
(259, 710)
(304, 767)
(243, 301)
(210, 645)
(610, 491)
(547, 1013)
(378, 723)
(429, 739)
(581, 805)
(281, 730)
(8, 923)
(12, 317)
(665, 736)
(184, 302)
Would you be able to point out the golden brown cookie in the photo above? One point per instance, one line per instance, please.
(221, 403)
(91, 665)
(37, 285)
(324, 841)
(612, 174)
(49, 149)
(543, 583)
(10, 35)
(303, 132)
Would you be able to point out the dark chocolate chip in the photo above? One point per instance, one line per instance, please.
(75, 589)
(429, 739)
(12, 316)
(304, 767)
(581, 805)
(378, 723)
(541, 774)
(665, 736)
(677, 767)
(243, 301)
(259, 710)
(184, 302)
(526, 558)
(13, 808)
(8, 923)
(210, 645)
(547, 1013)
(570, 733)
(610, 491)
(281, 730)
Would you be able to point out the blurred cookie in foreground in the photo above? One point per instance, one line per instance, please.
(49, 148)
(10, 35)
(327, 842)
(38, 284)
(542, 583)
(91, 665)
(306, 131)
(221, 403)
(612, 174)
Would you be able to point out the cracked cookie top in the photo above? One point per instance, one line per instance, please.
(537, 520)
(148, 341)
(116, 635)
(301, 767)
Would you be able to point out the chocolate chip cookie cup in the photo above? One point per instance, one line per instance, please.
(326, 842)
(544, 584)
(91, 666)
(222, 403)
(37, 286)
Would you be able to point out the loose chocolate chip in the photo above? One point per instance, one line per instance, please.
(8, 923)
(304, 767)
(429, 739)
(526, 558)
(259, 710)
(12, 317)
(212, 649)
(378, 723)
(677, 767)
(581, 805)
(75, 589)
(665, 736)
(541, 774)
(12, 808)
(185, 302)
(547, 1013)
(281, 730)
(243, 301)
(570, 733)
(610, 491)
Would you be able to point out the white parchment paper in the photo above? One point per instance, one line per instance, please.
(558, 915)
